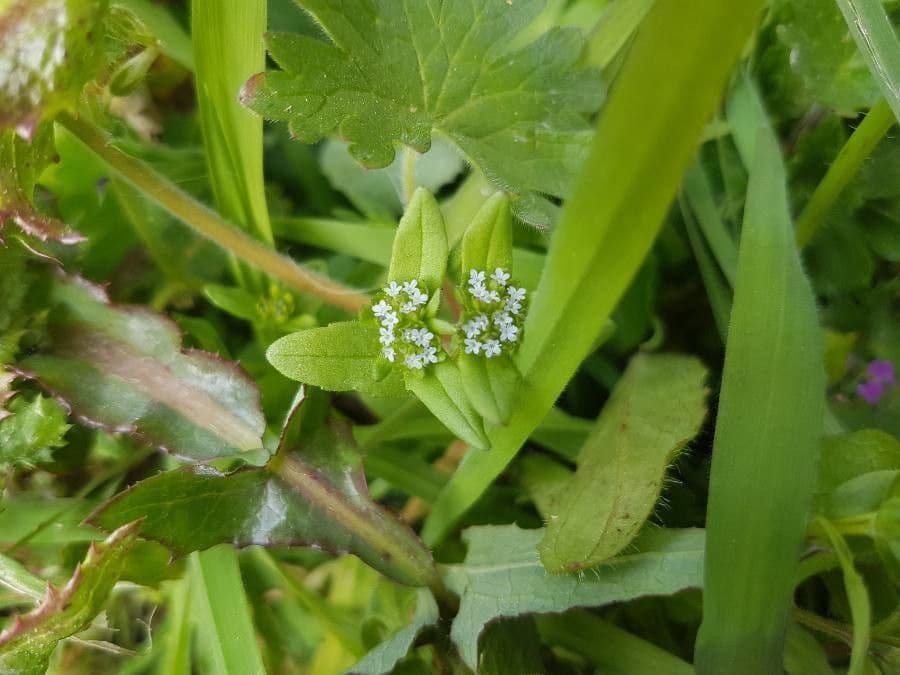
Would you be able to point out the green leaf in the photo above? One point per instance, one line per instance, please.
(502, 577)
(225, 638)
(605, 234)
(228, 48)
(845, 456)
(317, 498)
(511, 646)
(877, 42)
(829, 66)
(654, 411)
(487, 243)
(32, 427)
(48, 51)
(420, 245)
(392, 74)
(767, 435)
(27, 643)
(123, 368)
(860, 607)
(339, 357)
(613, 650)
(385, 656)
(444, 394)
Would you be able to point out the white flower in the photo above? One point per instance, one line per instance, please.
(509, 332)
(491, 348)
(381, 309)
(390, 319)
(482, 321)
(386, 336)
(472, 328)
(429, 355)
(389, 353)
(476, 278)
(514, 294)
(473, 346)
(491, 296)
(502, 319)
(414, 362)
(513, 307)
(501, 276)
(393, 289)
(418, 297)
(408, 308)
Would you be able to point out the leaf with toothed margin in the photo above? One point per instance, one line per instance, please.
(317, 497)
(27, 643)
(122, 368)
(21, 164)
(502, 577)
(29, 428)
(400, 71)
(48, 51)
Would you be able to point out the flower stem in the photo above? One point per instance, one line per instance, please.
(855, 151)
(207, 223)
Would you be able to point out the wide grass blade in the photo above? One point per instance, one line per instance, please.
(614, 215)
(767, 436)
(226, 639)
(228, 49)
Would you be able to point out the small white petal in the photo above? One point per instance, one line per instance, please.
(509, 333)
(501, 276)
(414, 362)
(381, 309)
(386, 336)
(473, 346)
(389, 353)
(491, 348)
(393, 289)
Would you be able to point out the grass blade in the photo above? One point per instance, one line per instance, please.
(605, 234)
(766, 446)
(228, 49)
(226, 639)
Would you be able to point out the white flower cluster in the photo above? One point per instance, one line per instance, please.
(495, 311)
(402, 331)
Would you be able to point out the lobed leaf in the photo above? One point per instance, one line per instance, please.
(122, 368)
(317, 498)
(30, 428)
(398, 72)
(27, 643)
(502, 577)
(655, 409)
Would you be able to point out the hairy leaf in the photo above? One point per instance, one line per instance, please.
(502, 576)
(32, 427)
(317, 498)
(397, 72)
(27, 643)
(385, 656)
(123, 368)
(655, 409)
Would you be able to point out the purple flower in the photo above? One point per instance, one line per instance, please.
(871, 391)
(881, 372)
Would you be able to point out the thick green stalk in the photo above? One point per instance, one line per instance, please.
(845, 166)
(208, 223)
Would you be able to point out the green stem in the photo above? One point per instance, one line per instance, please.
(208, 223)
(855, 151)
(409, 174)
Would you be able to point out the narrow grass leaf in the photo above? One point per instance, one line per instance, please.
(225, 636)
(228, 48)
(613, 216)
(767, 437)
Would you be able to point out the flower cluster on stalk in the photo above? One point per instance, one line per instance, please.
(404, 335)
(494, 313)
